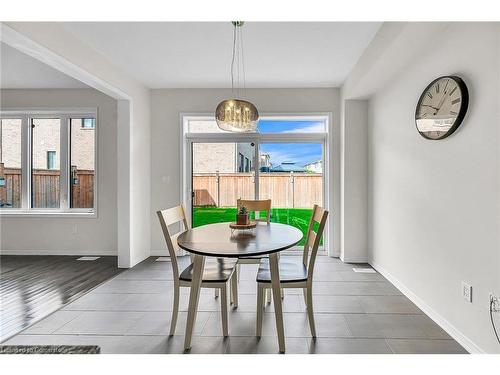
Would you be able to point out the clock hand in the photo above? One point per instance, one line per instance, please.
(427, 105)
(442, 99)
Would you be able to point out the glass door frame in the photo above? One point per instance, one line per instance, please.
(187, 140)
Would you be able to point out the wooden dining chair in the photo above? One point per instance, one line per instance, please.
(217, 274)
(256, 206)
(295, 274)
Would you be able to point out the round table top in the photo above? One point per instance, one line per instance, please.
(219, 240)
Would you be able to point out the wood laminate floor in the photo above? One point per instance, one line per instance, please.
(354, 313)
(32, 287)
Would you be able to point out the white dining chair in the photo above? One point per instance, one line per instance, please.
(217, 274)
(295, 274)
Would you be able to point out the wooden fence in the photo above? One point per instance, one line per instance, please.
(46, 185)
(287, 190)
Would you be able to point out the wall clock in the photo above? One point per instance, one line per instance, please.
(441, 107)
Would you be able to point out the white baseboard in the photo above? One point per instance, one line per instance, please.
(362, 259)
(159, 253)
(88, 252)
(463, 340)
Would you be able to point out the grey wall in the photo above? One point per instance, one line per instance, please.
(168, 104)
(434, 205)
(354, 182)
(55, 235)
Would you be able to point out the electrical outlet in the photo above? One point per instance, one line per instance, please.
(467, 292)
(495, 306)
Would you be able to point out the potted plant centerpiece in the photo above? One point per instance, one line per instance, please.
(242, 216)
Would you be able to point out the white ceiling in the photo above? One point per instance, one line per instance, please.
(20, 71)
(186, 55)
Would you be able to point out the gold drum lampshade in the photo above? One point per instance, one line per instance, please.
(237, 115)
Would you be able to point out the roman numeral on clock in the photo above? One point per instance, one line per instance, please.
(455, 101)
(429, 94)
(453, 113)
(452, 91)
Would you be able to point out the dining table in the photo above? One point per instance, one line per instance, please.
(220, 241)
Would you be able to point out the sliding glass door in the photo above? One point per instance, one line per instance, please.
(284, 162)
(222, 172)
(291, 175)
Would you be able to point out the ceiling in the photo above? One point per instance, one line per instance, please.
(20, 71)
(188, 55)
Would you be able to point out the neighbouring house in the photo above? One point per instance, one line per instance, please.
(314, 167)
(265, 162)
(46, 143)
(223, 157)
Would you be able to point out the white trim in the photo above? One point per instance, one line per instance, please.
(453, 331)
(362, 259)
(48, 111)
(87, 252)
(64, 115)
(124, 125)
(161, 253)
(31, 48)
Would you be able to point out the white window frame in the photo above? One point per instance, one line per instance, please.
(65, 115)
(323, 138)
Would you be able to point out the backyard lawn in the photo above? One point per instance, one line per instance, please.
(298, 217)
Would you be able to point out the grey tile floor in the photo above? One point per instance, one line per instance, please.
(354, 313)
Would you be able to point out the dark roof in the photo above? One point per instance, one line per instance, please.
(288, 167)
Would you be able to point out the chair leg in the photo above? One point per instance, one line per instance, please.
(260, 309)
(216, 293)
(234, 290)
(282, 293)
(310, 313)
(304, 290)
(238, 271)
(175, 311)
(223, 309)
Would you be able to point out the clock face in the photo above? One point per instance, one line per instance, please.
(441, 107)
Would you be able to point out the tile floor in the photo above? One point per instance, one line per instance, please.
(354, 312)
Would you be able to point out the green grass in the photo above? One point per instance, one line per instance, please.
(297, 217)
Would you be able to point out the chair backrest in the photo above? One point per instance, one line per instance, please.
(167, 218)
(257, 206)
(313, 238)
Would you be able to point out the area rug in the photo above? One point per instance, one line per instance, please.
(49, 349)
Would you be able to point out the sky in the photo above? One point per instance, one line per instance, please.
(300, 153)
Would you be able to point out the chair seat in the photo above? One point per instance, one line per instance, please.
(290, 272)
(213, 272)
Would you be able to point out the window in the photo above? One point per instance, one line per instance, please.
(10, 163)
(88, 123)
(241, 162)
(82, 155)
(51, 160)
(47, 162)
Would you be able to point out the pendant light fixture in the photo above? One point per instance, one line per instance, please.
(237, 115)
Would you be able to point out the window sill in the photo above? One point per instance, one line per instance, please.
(46, 214)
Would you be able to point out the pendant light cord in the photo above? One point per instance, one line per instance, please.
(240, 60)
(232, 61)
(243, 63)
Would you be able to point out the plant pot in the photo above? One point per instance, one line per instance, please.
(242, 219)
